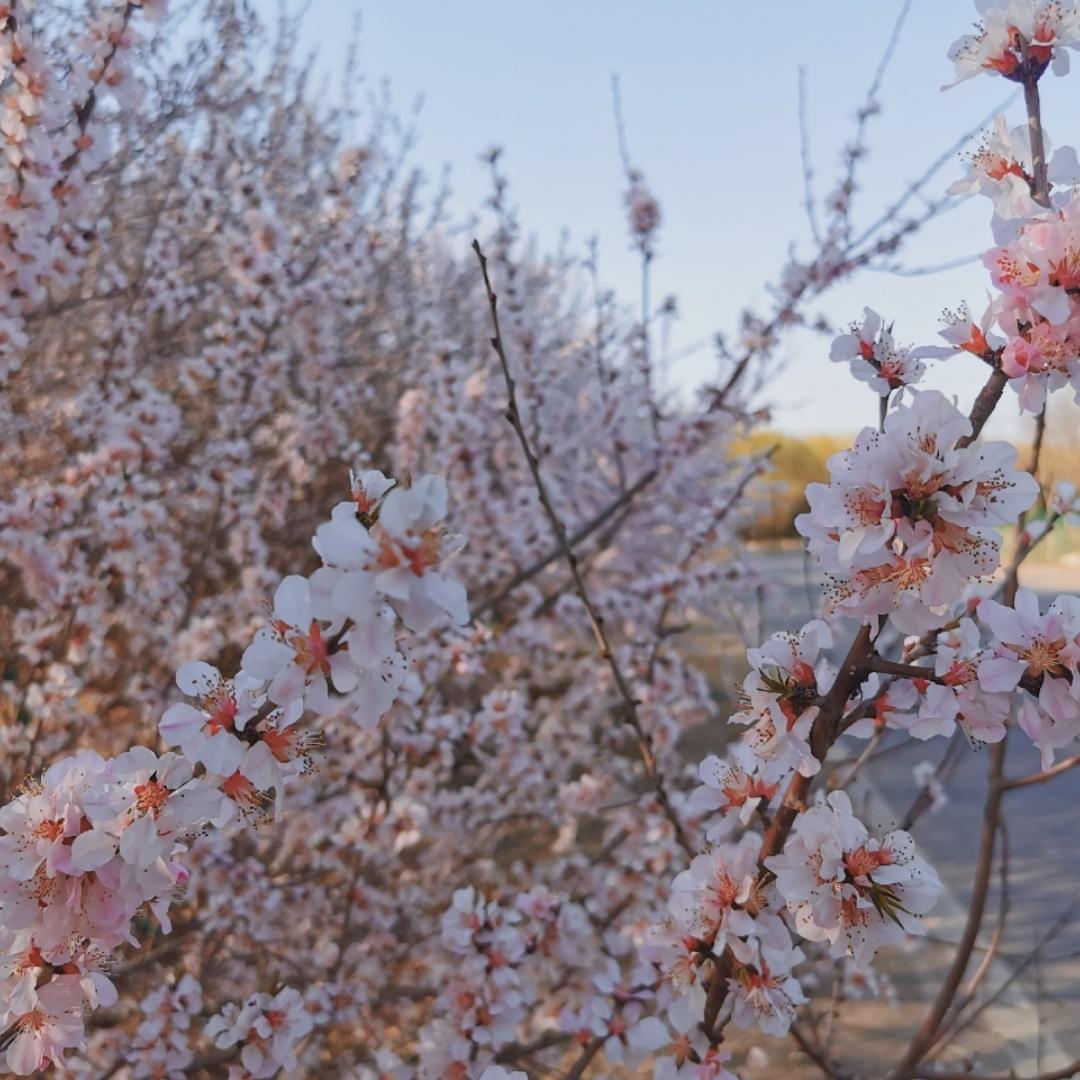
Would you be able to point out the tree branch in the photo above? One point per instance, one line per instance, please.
(583, 533)
(924, 1037)
(596, 620)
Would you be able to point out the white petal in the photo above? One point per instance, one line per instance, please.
(266, 656)
(292, 601)
(221, 753)
(196, 678)
(92, 849)
(139, 842)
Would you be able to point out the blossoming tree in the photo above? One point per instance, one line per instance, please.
(419, 807)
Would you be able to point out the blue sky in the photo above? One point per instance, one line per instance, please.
(710, 98)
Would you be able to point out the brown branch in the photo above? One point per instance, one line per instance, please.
(1040, 185)
(1037, 443)
(596, 621)
(516, 1051)
(1059, 924)
(582, 1063)
(985, 404)
(824, 733)
(903, 671)
(923, 1038)
(718, 984)
(583, 533)
(996, 938)
(212, 1058)
(1041, 777)
(818, 1055)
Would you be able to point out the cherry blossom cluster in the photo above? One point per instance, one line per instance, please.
(163, 1038)
(266, 1027)
(837, 884)
(1037, 655)
(1018, 39)
(48, 230)
(84, 850)
(910, 514)
(1030, 327)
(845, 888)
(788, 675)
(950, 695)
(1001, 169)
(908, 532)
(874, 356)
(200, 384)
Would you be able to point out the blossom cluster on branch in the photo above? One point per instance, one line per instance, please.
(97, 841)
(907, 533)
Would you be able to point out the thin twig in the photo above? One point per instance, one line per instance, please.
(924, 800)
(596, 621)
(807, 169)
(1041, 777)
(582, 1063)
(957, 1027)
(923, 1038)
(583, 533)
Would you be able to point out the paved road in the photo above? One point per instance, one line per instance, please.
(1044, 858)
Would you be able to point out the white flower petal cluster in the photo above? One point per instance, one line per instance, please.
(1044, 28)
(96, 842)
(909, 516)
(45, 1021)
(765, 992)
(1036, 655)
(266, 1027)
(787, 678)
(1000, 168)
(874, 356)
(950, 695)
(163, 1038)
(848, 889)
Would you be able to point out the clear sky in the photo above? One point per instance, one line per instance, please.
(710, 94)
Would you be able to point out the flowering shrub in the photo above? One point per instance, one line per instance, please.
(420, 807)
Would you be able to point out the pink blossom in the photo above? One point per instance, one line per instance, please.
(874, 356)
(1047, 26)
(47, 1021)
(206, 732)
(908, 517)
(268, 1027)
(848, 889)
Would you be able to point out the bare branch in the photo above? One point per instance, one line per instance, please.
(1041, 777)
(596, 621)
(583, 533)
(924, 1037)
